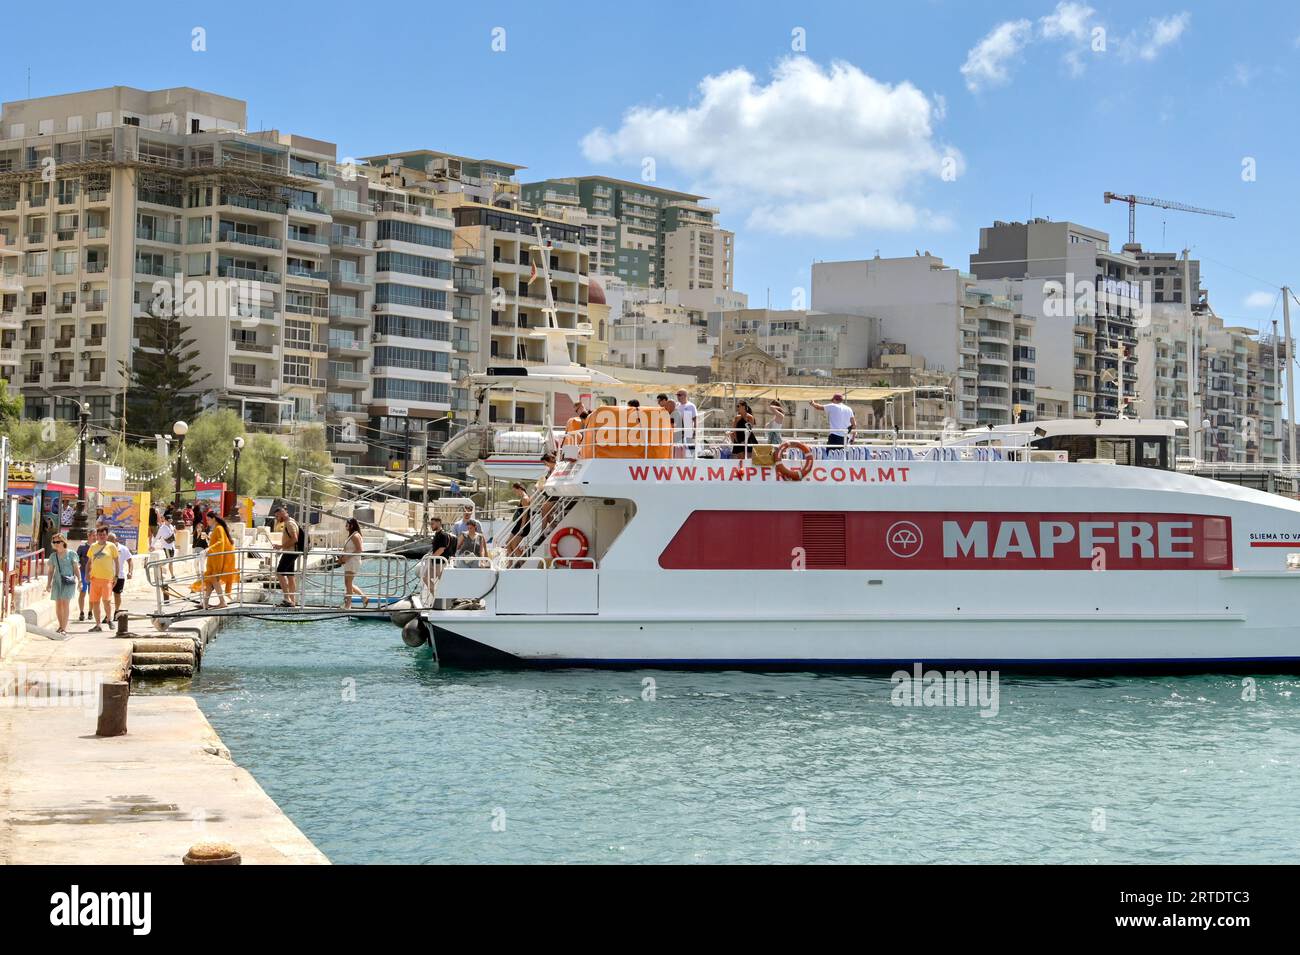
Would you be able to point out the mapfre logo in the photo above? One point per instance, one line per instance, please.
(904, 539)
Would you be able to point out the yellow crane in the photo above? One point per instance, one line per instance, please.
(1135, 201)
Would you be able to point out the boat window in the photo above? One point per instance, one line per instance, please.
(1119, 450)
(1151, 453)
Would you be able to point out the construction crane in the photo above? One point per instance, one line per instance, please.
(1135, 201)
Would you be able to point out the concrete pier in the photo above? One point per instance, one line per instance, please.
(67, 796)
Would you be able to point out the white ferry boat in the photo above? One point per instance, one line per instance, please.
(1072, 546)
(1076, 545)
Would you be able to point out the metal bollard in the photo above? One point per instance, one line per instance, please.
(212, 853)
(123, 624)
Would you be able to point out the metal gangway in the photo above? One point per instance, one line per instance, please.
(190, 586)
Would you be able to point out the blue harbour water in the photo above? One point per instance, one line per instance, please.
(378, 756)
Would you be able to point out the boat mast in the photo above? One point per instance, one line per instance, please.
(1290, 373)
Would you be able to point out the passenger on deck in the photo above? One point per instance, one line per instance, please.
(742, 431)
(219, 568)
(458, 529)
(441, 544)
(675, 416)
(548, 503)
(841, 419)
(520, 526)
(472, 545)
(352, 565)
(290, 549)
(777, 411)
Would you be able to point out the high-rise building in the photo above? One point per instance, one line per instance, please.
(944, 316)
(500, 296)
(1087, 289)
(660, 238)
(111, 195)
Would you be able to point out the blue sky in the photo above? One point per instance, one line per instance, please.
(833, 151)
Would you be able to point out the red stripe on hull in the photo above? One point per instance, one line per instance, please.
(948, 540)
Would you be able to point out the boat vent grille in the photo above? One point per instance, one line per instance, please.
(824, 541)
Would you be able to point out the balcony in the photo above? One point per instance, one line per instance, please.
(241, 344)
(309, 208)
(351, 378)
(264, 276)
(251, 204)
(248, 238)
(345, 240)
(408, 209)
(308, 238)
(349, 313)
(305, 381)
(148, 234)
(355, 207)
(352, 279)
(306, 274)
(340, 344)
(250, 381)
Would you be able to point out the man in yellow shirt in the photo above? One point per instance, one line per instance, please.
(103, 557)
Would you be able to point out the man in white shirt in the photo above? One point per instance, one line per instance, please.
(124, 570)
(687, 412)
(840, 418)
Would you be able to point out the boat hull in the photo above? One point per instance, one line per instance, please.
(1104, 645)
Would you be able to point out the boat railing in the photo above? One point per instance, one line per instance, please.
(713, 444)
(321, 577)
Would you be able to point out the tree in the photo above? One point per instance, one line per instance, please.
(211, 440)
(40, 440)
(142, 459)
(11, 406)
(163, 376)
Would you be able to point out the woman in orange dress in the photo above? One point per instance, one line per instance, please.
(219, 571)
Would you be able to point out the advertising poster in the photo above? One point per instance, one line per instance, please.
(127, 515)
(210, 493)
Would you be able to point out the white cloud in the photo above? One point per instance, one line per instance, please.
(1068, 20)
(1073, 25)
(986, 62)
(1161, 32)
(815, 151)
(1261, 299)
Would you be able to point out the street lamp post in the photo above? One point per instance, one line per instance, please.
(77, 531)
(179, 429)
(284, 476)
(234, 497)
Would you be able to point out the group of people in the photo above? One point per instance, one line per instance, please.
(96, 572)
(840, 419)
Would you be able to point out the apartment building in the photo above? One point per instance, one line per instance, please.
(121, 202)
(1228, 396)
(501, 256)
(940, 313)
(1085, 287)
(654, 229)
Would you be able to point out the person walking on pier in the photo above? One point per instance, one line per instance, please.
(103, 575)
(290, 535)
(82, 550)
(219, 568)
(352, 565)
(64, 579)
(124, 571)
